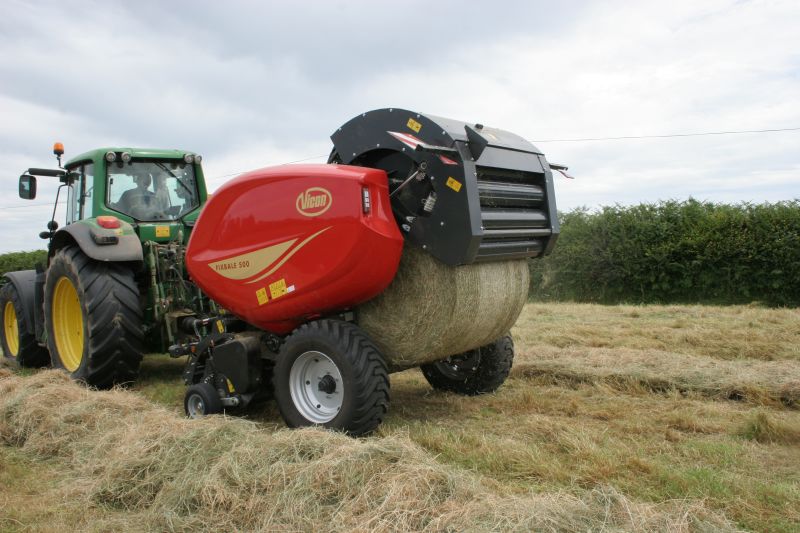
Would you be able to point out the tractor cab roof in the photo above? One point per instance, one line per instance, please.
(155, 153)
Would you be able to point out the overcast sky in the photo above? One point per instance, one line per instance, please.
(253, 84)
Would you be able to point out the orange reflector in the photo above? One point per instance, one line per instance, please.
(58, 149)
(108, 222)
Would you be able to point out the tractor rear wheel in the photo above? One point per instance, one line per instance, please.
(19, 346)
(329, 373)
(93, 319)
(475, 372)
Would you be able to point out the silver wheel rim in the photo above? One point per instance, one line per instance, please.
(196, 406)
(315, 384)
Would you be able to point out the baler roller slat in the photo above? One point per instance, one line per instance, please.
(491, 250)
(496, 194)
(506, 175)
(516, 233)
(508, 219)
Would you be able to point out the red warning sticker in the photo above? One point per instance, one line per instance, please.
(406, 138)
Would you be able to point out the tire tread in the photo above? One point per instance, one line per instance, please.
(371, 374)
(113, 318)
(30, 353)
(493, 369)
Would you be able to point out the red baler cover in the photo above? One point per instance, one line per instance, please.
(279, 246)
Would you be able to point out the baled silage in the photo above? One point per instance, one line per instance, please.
(432, 311)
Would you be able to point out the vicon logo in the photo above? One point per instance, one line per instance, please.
(314, 201)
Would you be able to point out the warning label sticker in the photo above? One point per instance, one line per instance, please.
(453, 184)
(278, 288)
(414, 125)
(261, 295)
(162, 231)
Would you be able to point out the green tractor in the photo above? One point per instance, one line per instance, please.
(114, 286)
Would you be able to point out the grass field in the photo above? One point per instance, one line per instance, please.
(614, 418)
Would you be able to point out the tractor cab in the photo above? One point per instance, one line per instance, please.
(152, 190)
(157, 192)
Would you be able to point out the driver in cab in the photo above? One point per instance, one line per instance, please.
(140, 198)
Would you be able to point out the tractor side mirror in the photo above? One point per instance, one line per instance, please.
(27, 187)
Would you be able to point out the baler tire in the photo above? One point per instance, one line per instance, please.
(363, 378)
(100, 322)
(19, 346)
(485, 375)
(201, 397)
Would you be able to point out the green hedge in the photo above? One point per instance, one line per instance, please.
(21, 261)
(675, 252)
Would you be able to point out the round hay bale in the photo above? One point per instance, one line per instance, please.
(432, 311)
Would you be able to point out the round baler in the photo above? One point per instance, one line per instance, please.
(408, 249)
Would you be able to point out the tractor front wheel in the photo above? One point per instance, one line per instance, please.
(330, 374)
(93, 319)
(201, 399)
(477, 371)
(18, 344)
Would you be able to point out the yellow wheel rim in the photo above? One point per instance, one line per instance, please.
(67, 324)
(11, 328)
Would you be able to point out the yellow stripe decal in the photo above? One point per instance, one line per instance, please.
(289, 255)
(248, 265)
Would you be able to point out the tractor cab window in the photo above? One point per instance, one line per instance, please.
(152, 190)
(80, 193)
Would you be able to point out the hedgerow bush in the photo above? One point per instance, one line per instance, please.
(21, 261)
(675, 252)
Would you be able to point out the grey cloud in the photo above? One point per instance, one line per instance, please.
(254, 83)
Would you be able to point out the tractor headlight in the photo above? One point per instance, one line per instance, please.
(126, 157)
(111, 157)
(189, 158)
(198, 158)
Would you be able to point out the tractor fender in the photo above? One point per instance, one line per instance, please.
(23, 281)
(128, 248)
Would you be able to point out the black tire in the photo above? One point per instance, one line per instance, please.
(356, 401)
(201, 399)
(475, 372)
(109, 350)
(19, 346)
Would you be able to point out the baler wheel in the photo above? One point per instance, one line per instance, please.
(329, 373)
(475, 372)
(93, 319)
(19, 346)
(201, 399)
